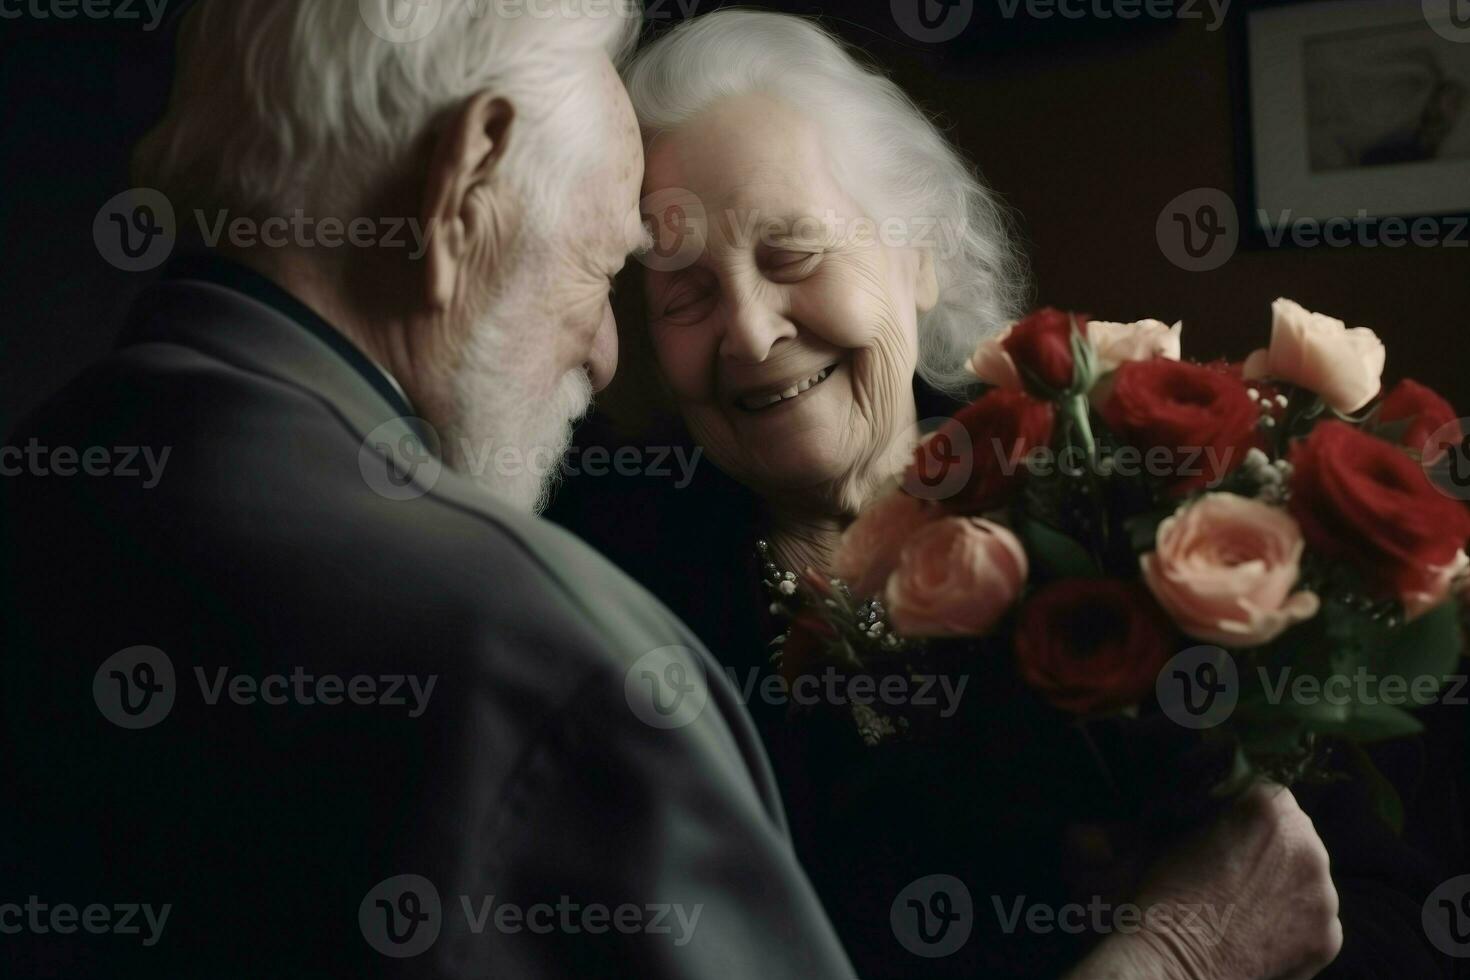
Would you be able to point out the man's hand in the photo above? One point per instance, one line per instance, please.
(1248, 899)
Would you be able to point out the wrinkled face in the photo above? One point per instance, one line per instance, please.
(581, 256)
(546, 340)
(790, 340)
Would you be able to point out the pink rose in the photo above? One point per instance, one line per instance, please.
(957, 577)
(1344, 367)
(1115, 343)
(869, 549)
(1224, 568)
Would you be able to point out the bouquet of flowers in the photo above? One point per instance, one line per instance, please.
(1265, 556)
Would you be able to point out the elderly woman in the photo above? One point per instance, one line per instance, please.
(826, 262)
(846, 246)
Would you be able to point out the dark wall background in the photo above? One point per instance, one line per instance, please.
(1087, 128)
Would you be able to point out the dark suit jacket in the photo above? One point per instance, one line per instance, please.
(276, 832)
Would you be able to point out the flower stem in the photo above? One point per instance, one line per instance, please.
(1076, 410)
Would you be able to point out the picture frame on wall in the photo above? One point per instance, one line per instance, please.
(1355, 111)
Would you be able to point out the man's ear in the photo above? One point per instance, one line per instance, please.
(926, 287)
(462, 214)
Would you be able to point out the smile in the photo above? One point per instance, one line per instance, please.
(756, 403)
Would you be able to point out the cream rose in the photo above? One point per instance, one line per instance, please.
(957, 577)
(992, 365)
(868, 551)
(1224, 568)
(1115, 343)
(1344, 367)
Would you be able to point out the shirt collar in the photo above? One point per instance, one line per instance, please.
(214, 268)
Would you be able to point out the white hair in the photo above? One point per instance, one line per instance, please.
(285, 104)
(889, 155)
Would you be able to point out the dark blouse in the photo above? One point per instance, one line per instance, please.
(990, 808)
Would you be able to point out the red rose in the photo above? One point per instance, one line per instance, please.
(1363, 501)
(1429, 412)
(1092, 646)
(1041, 347)
(1201, 417)
(974, 461)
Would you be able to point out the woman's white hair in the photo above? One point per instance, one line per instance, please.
(889, 155)
(315, 104)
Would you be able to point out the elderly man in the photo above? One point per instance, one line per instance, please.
(315, 703)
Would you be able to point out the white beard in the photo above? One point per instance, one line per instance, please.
(509, 434)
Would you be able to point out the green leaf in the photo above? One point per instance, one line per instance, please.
(1143, 529)
(1430, 646)
(1263, 734)
(1372, 723)
(1055, 555)
(1382, 794)
(1394, 431)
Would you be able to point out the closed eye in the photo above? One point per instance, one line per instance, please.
(686, 304)
(788, 265)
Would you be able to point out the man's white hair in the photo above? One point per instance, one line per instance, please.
(316, 104)
(887, 153)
